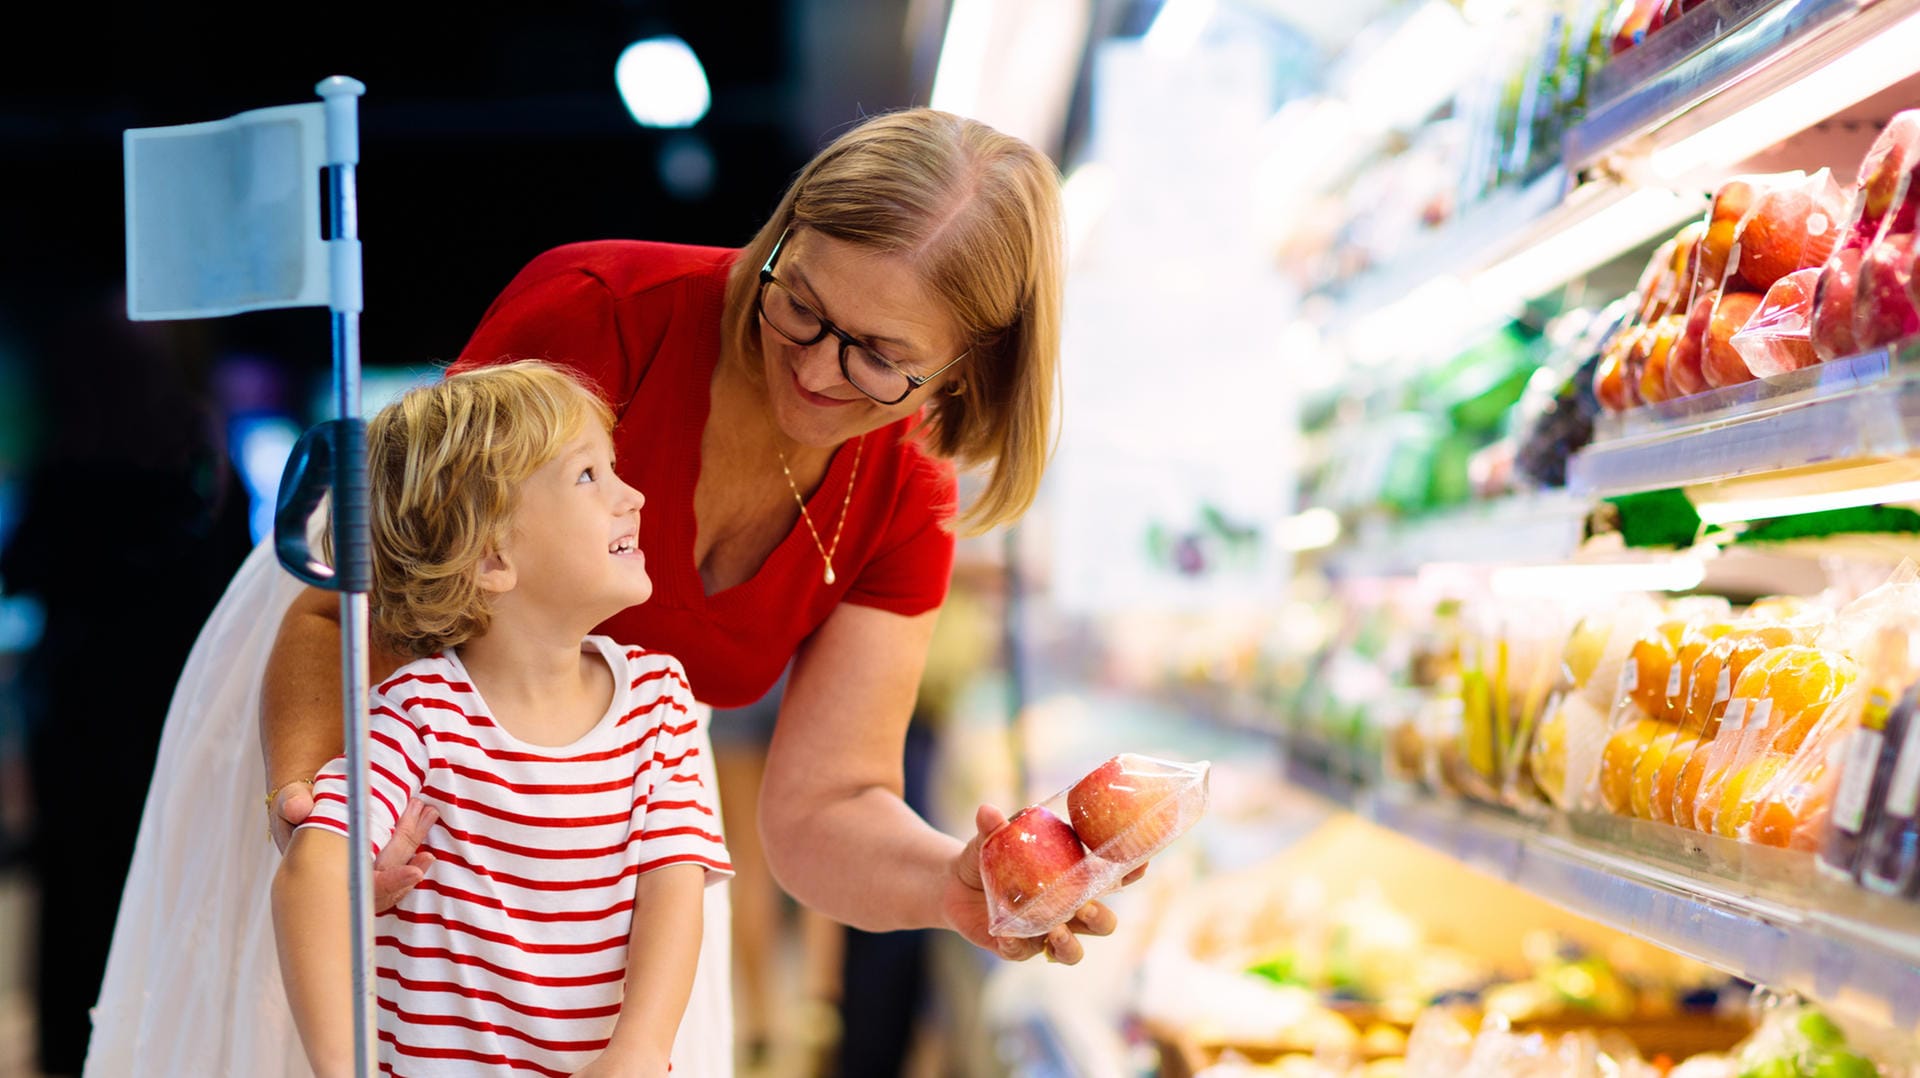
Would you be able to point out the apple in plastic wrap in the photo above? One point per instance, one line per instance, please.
(1684, 375)
(1883, 308)
(1833, 304)
(1653, 376)
(1130, 807)
(1610, 378)
(1658, 281)
(1730, 203)
(1778, 338)
(1720, 362)
(1028, 867)
(1789, 227)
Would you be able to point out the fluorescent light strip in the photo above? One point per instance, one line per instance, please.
(1675, 574)
(1873, 65)
(1725, 512)
(1601, 236)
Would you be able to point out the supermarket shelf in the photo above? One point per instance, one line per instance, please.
(1668, 119)
(1524, 529)
(1671, 89)
(1855, 952)
(1830, 427)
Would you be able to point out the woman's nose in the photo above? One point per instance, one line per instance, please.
(820, 362)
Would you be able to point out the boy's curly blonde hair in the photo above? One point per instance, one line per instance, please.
(445, 465)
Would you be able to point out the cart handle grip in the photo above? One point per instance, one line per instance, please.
(328, 459)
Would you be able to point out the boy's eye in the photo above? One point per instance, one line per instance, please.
(586, 475)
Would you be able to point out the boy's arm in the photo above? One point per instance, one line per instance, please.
(311, 933)
(661, 956)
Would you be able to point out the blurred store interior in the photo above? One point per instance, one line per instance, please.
(1477, 414)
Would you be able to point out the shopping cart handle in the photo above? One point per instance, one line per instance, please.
(326, 460)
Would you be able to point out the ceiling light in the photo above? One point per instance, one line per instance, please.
(662, 83)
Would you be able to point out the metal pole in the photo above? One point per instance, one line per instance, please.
(350, 540)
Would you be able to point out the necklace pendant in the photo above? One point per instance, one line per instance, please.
(829, 574)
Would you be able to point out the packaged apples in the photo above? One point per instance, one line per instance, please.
(1882, 174)
(1778, 336)
(1719, 361)
(1038, 868)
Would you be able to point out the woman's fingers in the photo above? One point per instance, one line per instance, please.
(1063, 946)
(1094, 919)
(291, 808)
(1134, 876)
(402, 864)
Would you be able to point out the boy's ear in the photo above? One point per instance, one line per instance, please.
(496, 573)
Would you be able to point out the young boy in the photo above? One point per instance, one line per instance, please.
(557, 930)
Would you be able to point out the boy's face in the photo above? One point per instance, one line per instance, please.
(575, 541)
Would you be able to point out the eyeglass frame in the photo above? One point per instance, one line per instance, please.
(847, 340)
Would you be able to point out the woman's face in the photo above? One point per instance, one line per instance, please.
(879, 300)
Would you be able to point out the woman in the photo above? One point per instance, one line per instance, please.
(790, 411)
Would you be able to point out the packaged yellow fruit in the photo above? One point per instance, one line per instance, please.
(1562, 755)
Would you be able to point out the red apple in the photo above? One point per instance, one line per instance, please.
(1883, 312)
(1774, 340)
(1128, 808)
(1027, 866)
(1684, 377)
(1720, 363)
(1833, 306)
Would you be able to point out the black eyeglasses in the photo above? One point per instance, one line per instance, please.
(863, 367)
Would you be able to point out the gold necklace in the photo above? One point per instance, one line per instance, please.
(826, 552)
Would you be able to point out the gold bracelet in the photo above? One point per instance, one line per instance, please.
(275, 792)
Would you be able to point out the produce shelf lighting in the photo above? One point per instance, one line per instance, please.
(1622, 222)
(1873, 65)
(1738, 509)
(1673, 574)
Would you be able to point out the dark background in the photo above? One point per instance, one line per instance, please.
(489, 133)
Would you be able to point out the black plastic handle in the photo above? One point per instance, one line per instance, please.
(328, 459)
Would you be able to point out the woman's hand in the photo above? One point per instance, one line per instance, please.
(401, 863)
(964, 904)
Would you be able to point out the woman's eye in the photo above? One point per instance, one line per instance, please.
(586, 475)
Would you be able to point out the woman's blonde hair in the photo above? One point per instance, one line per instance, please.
(979, 213)
(445, 465)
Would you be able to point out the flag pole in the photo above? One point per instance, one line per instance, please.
(352, 557)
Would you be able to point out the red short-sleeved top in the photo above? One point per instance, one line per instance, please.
(642, 322)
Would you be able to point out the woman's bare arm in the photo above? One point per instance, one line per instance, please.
(300, 733)
(838, 835)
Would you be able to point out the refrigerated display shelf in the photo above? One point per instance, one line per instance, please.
(1714, 62)
(1685, 108)
(1819, 423)
(1538, 529)
(1780, 926)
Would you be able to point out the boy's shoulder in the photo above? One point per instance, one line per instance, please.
(641, 667)
(437, 677)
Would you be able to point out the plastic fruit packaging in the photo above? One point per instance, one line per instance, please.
(1719, 361)
(1566, 748)
(1778, 335)
(1039, 870)
(1881, 175)
(1776, 702)
(1790, 226)
(1654, 383)
(1889, 857)
(1883, 302)
(1684, 374)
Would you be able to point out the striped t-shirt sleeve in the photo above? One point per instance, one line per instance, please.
(397, 769)
(682, 824)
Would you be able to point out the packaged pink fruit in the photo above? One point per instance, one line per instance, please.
(1875, 194)
(1039, 869)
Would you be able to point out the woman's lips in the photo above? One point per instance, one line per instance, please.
(816, 399)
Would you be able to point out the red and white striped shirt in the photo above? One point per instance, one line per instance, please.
(511, 955)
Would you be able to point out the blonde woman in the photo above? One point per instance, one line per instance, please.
(794, 411)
